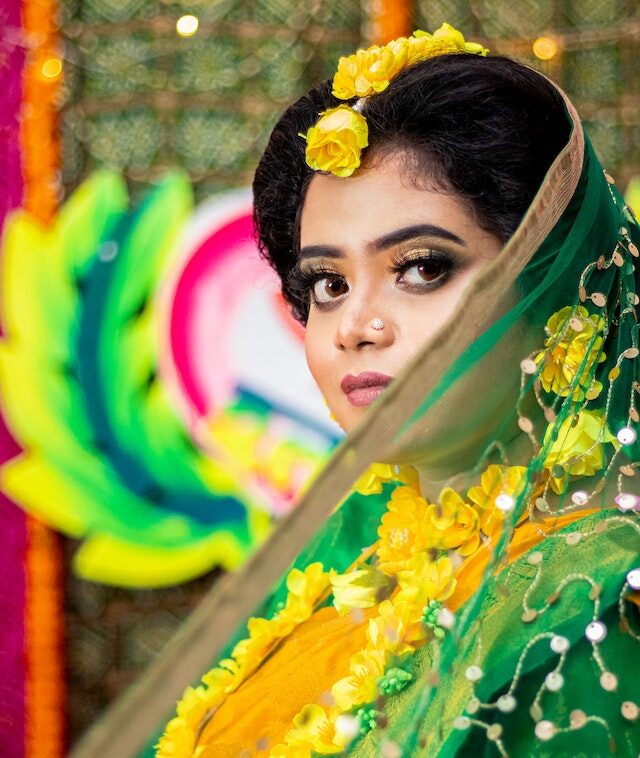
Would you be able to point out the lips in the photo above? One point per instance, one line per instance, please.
(362, 389)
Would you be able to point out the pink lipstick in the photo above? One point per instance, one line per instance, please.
(361, 390)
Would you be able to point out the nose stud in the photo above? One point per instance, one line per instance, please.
(377, 324)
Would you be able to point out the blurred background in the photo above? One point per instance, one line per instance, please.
(149, 443)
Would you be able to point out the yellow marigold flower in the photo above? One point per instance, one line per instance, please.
(334, 144)
(426, 580)
(567, 348)
(178, 740)
(387, 632)
(248, 653)
(313, 730)
(578, 449)
(402, 529)
(366, 71)
(362, 588)
(222, 680)
(193, 705)
(359, 686)
(305, 587)
(444, 40)
(370, 483)
(452, 524)
(496, 480)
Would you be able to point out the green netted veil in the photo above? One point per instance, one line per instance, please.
(574, 255)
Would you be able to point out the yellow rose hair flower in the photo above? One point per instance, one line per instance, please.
(334, 144)
(567, 346)
(366, 72)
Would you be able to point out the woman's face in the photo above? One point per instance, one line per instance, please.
(385, 262)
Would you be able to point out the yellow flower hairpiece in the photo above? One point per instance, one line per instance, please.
(335, 143)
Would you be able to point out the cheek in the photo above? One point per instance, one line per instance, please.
(421, 317)
(317, 351)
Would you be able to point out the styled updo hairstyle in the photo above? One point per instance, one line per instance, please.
(485, 128)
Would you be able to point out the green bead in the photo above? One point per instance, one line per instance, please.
(368, 718)
(395, 680)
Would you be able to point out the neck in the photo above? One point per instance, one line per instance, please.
(433, 480)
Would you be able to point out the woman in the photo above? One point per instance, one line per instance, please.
(441, 224)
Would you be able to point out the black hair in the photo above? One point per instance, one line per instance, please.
(485, 128)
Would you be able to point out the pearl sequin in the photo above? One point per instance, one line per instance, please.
(596, 631)
(473, 706)
(626, 501)
(559, 644)
(633, 579)
(545, 730)
(506, 703)
(505, 502)
(630, 710)
(580, 497)
(608, 681)
(554, 681)
(474, 673)
(627, 435)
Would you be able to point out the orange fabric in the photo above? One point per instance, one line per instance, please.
(40, 153)
(315, 656)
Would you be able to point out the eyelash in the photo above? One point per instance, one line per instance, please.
(305, 280)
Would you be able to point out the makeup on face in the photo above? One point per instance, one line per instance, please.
(414, 255)
(378, 249)
(363, 388)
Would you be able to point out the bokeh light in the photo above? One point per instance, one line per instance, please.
(187, 26)
(545, 48)
(52, 68)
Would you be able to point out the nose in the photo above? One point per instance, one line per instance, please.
(363, 325)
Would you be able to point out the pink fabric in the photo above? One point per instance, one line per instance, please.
(12, 520)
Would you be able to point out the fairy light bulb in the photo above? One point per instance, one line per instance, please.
(51, 68)
(545, 48)
(187, 25)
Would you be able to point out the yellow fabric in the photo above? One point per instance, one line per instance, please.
(316, 655)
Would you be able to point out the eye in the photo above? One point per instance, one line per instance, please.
(329, 288)
(425, 272)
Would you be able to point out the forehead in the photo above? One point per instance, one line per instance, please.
(377, 199)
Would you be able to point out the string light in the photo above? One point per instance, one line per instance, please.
(545, 48)
(51, 68)
(187, 26)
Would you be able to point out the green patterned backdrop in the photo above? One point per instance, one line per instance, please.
(597, 62)
(141, 98)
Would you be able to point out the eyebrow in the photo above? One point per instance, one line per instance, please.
(386, 241)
